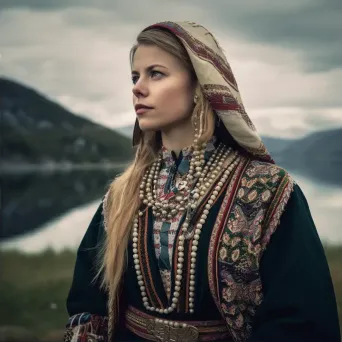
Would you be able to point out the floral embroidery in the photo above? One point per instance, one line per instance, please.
(257, 233)
(229, 293)
(226, 238)
(223, 253)
(243, 181)
(252, 195)
(241, 193)
(235, 241)
(275, 179)
(250, 183)
(213, 266)
(253, 216)
(266, 195)
(235, 254)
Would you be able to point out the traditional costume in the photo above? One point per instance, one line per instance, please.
(223, 248)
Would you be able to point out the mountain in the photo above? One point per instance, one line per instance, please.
(276, 145)
(36, 130)
(127, 131)
(317, 155)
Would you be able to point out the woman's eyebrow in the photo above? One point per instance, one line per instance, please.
(149, 68)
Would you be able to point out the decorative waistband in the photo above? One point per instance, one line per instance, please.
(163, 330)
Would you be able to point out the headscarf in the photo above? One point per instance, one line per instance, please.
(218, 85)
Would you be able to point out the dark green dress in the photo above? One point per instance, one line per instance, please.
(299, 302)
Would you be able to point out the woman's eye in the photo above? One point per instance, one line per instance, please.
(156, 73)
(153, 73)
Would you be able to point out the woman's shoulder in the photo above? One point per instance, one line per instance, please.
(262, 169)
(97, 225)
(260, 176)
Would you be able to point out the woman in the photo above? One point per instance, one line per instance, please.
(202, 238)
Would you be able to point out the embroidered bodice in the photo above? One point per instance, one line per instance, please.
(173, 172)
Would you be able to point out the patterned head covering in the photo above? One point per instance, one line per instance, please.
(218, 85)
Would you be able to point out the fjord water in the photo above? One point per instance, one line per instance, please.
(54, 211)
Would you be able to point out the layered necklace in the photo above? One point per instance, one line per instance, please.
(198, 181)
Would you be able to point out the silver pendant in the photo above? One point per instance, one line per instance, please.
(182, 185)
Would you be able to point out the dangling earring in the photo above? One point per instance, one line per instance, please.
(195, 99)
(199, 149)
(218, 121)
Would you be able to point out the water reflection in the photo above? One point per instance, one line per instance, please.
(75, 199)
(65, 232)
(325, 202)
(31, 200)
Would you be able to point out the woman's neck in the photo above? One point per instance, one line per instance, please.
(178, 138)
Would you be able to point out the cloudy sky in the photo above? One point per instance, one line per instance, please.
(286, 55)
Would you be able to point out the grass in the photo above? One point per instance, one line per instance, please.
(334, 256)
(34, 289)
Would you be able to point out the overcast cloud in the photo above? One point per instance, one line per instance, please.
(287, 57)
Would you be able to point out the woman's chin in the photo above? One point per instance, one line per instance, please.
(148, 127)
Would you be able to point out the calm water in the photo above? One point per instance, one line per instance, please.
(67, 230)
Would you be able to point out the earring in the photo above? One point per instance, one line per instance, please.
(195, 98)
(199, 149)
(218, 121)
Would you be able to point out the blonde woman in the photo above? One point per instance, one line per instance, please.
(203, 237)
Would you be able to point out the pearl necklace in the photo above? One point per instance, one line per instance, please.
(186, 234)
(169, 207)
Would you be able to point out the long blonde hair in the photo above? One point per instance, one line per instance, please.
(123, 200)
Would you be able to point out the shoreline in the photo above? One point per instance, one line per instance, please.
(10, 168)
(22, 168)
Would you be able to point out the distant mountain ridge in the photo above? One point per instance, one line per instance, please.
(275, 145)
(317, 155)
(35, 129)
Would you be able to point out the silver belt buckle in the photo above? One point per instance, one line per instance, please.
(166, 332)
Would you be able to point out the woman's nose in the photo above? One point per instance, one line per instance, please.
(140, 88)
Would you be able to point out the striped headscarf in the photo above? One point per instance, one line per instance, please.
(218, 85)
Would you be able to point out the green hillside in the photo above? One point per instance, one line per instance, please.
(35, 129)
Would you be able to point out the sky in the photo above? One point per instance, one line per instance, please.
(286, 55)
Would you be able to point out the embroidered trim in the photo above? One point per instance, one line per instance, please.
(282, 197)
(203, 51)
(219, 95)
(216, 237)
(140, 323)
(214, 240)
(247, 219)
(86, 327)
(228, 100)
(223, 100)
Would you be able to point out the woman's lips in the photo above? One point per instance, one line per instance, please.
(143, 110)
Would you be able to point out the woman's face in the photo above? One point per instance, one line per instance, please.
(163, 84)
